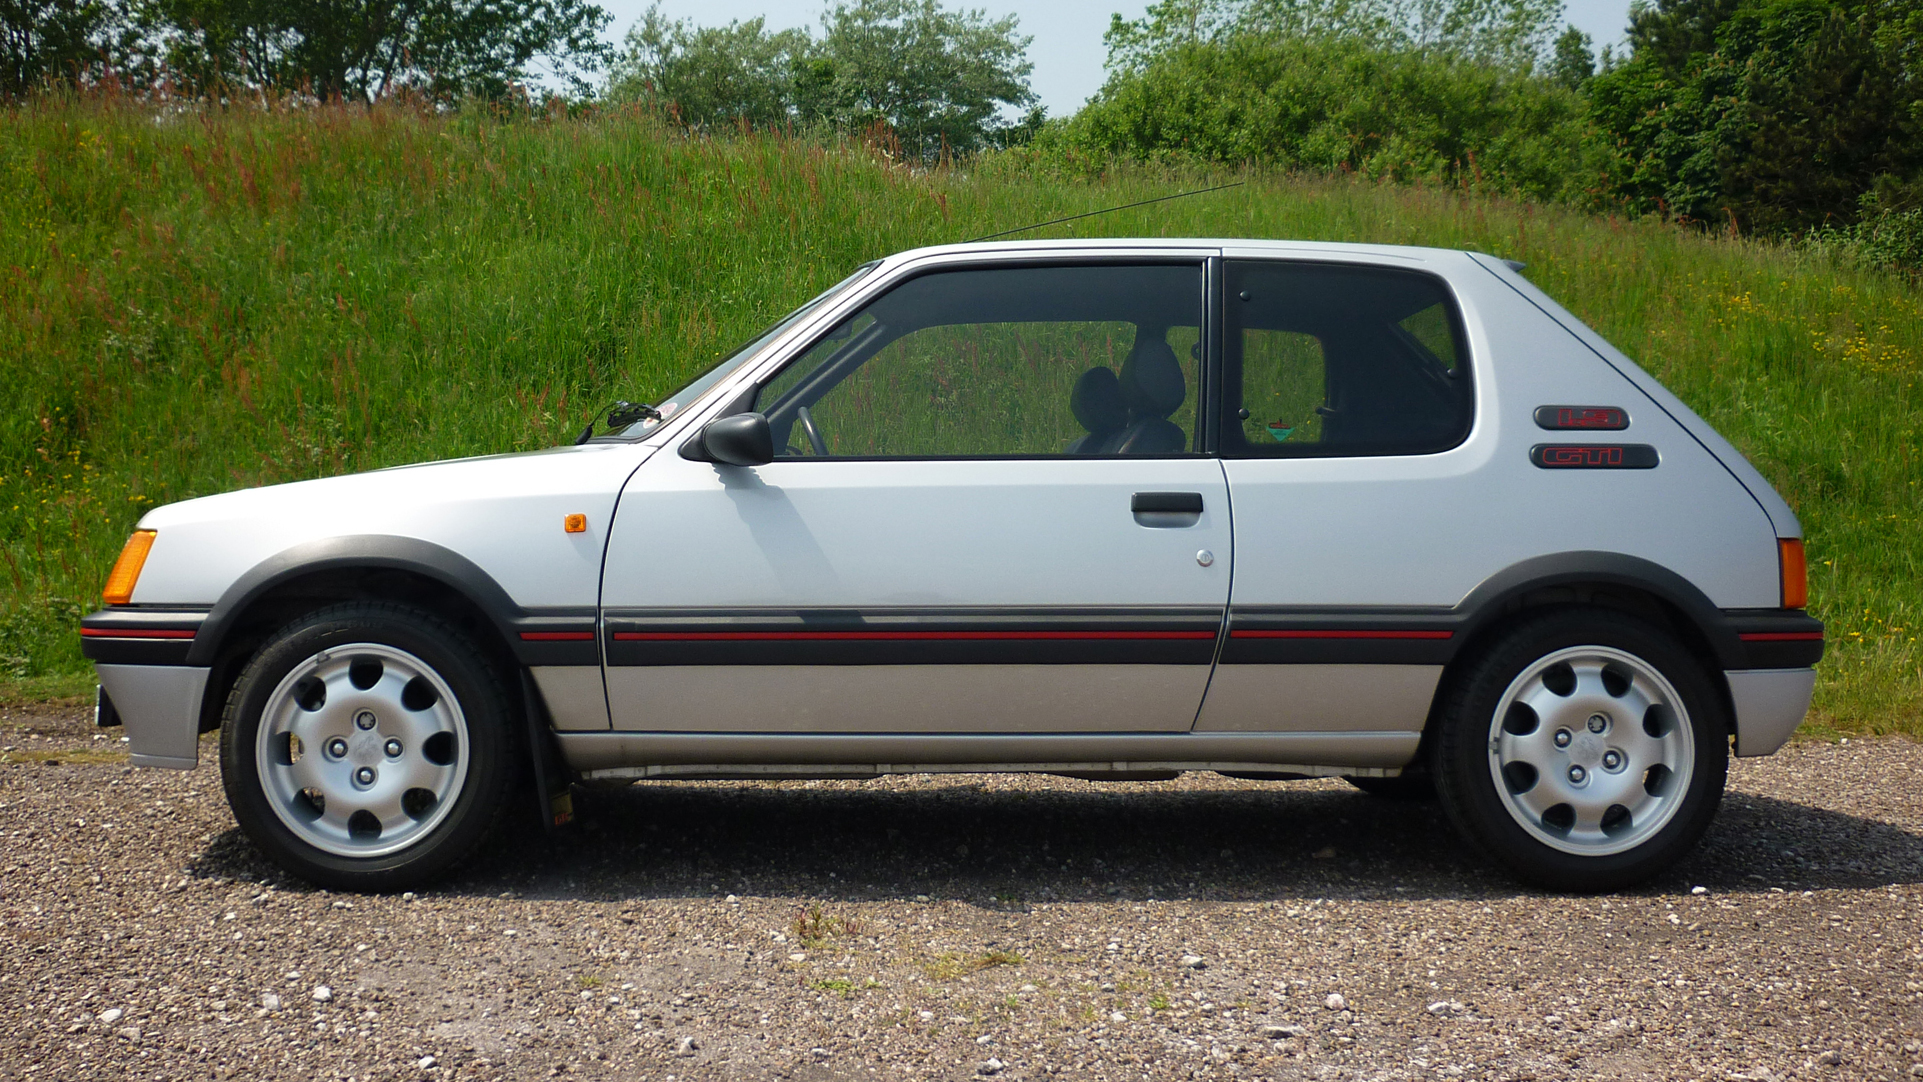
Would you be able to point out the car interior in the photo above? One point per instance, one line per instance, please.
(1382, 346)
(1045, 318)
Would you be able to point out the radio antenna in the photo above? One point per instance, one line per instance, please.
(1110, 210)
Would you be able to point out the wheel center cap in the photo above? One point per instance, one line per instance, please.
(1587, 750)
(364, 749)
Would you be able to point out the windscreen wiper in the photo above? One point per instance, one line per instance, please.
(622, 415)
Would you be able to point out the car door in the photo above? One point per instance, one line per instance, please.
(1347, 397)
(987, 513)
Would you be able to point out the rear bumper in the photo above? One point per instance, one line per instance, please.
(160, 707)
(1770, 704)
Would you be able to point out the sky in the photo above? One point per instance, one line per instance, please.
(1067, 51)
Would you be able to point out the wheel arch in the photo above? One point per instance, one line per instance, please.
(1608, 580)
(313, 575)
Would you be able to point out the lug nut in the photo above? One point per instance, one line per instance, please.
(1612, 760)
(336, 748)
(1598, 723)
(1576, 775)
(392, 748)
(365, 775)
(1563, 738)
(364, 719)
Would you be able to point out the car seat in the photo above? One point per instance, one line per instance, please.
(1153, 386)
(1101, 408)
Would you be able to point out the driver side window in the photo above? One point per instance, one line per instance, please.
(1023, 361)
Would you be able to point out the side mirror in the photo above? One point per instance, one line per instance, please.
(741, 439)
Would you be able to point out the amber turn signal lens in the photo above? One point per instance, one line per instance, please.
(126, 572)
(1795, 572)
(575, 524)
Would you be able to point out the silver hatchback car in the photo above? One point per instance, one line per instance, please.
(1117, 508)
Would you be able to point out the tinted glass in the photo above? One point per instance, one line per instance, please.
(1085, 360)
(1335, 360)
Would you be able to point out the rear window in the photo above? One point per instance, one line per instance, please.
(1326, 359)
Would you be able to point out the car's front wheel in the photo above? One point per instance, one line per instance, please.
(1584, 749)
(366, 747)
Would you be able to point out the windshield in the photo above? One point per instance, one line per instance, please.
(698, 387)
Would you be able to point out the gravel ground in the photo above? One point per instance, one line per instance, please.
(956, 927)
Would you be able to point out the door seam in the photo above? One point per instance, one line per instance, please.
(1228, 596)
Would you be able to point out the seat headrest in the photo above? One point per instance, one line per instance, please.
(1152, 378)
(1098, 402)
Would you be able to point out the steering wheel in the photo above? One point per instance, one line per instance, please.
(808, 429)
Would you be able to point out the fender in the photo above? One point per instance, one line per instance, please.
(357, 552)
(1487, 602)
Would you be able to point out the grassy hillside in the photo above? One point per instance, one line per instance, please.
(196, 303)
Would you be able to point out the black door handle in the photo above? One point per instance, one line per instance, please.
(1168, 503)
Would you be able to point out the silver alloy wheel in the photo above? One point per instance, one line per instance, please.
(1591, 750)
(362, 750)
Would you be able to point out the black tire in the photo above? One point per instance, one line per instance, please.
(466, 765)
(1491, 798)
(1410, 786)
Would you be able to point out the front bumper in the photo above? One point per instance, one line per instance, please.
(141, 656)
(1770, 704)
(160, 707)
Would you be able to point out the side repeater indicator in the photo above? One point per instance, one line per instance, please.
(1582, 418)
(575, 524)
(1593, 456)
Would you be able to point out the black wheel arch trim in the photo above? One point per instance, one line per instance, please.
(1722, 631)
(405, 554)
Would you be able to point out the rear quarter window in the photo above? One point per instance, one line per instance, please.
(1328, 360)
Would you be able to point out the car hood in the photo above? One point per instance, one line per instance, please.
(504, 512)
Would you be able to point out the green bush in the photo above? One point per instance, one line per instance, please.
(1340, 105)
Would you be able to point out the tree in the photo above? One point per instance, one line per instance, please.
(363, 49)
(1669, 32)
(1776, 115)
(1510, 33)
(69, 41)
(711, 76)
(1572, 64)
(938, 78)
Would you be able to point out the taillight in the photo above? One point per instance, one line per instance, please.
(1795, 572)
(126, 572)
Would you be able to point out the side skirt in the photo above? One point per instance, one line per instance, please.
(767, 755)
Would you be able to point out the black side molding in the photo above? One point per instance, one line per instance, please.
(965, 635)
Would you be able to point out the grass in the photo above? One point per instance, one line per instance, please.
(845, 987)
(194, 302)
(815, 929)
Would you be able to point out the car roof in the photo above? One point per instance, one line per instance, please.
(1398, 252)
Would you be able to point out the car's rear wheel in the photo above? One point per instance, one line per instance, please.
(366, 747)
(1584, 749)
